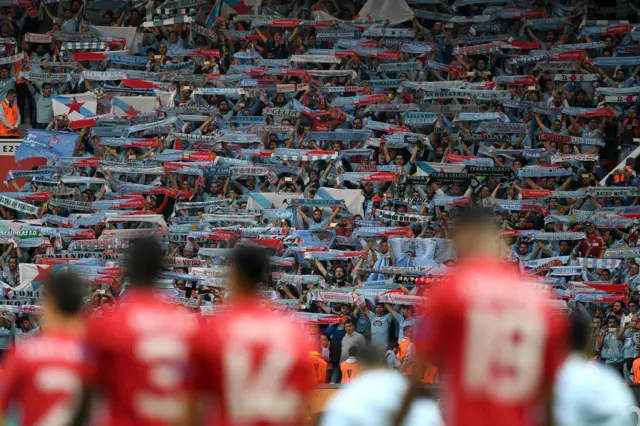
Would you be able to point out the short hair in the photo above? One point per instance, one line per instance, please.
(406, 327)
(579, 332)
(353, 351)
(145, 260)
(11, 92)
(476, 217)
(251, 263)
(371, 355)
(66, 291)
(348, 322)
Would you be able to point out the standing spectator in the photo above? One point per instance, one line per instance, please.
(44, 107)
(9, 116)
(380, 323)
(351, 339)
(8, 332)
(630, 336)
(611, 352)
(403, 319)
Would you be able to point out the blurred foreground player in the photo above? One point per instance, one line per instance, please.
(43, 376)
(140, 351)
(589, 393)
(362, 403)
(493, 333)
(252, 363)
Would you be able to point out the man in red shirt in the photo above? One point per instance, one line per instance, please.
(499, 364)
(141, 350)
(254, 363)
(43, 375)
(592, 246)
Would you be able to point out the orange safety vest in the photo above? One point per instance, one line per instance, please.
(319, 370)
(429, 374)
(11, 115)
(635, 368)
(403, 348)
(349, 371)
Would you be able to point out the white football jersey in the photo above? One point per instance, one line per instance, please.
(588, 394)
(373, 398)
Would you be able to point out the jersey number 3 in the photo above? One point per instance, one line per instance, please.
(504, 354)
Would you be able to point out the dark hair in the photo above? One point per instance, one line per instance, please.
(371, 355)
(11, 92)
(348, 322)
(145, 259)
(579, 332)
(251, 263)
(66, 291)
(477, 217)
(353, 351)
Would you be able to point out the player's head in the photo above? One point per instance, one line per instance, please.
(474, 233)
(353, 351)
(145, 259)
(580, 335)
(249, 269)
(64, 294)
(408, 332)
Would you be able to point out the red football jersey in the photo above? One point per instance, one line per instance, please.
(498, 341)
(42, 377)
(140, 357)
(256, 366)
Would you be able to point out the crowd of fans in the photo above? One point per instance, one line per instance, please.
(343, 136)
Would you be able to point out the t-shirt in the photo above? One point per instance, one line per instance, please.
(141, 351)
(496, 364)
(596, 244)
(591, 394)
(253, 370)
(380, 328)
(42, 377)
(373, 398)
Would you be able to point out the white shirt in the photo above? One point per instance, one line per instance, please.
(588, 394)
(373, 398)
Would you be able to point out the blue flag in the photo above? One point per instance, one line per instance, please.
(46, 144)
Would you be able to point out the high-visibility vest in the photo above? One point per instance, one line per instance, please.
(349, 371)
(11, 115)
(319, 370)
(429, 374)
(635, 368)
(403, 349)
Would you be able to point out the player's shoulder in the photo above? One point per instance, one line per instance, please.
(579, 375)
(588, 392)
(373, 397)
(46, 346)
(254, 319)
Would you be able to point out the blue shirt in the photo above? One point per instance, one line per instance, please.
(380, 328)
(44, 109)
